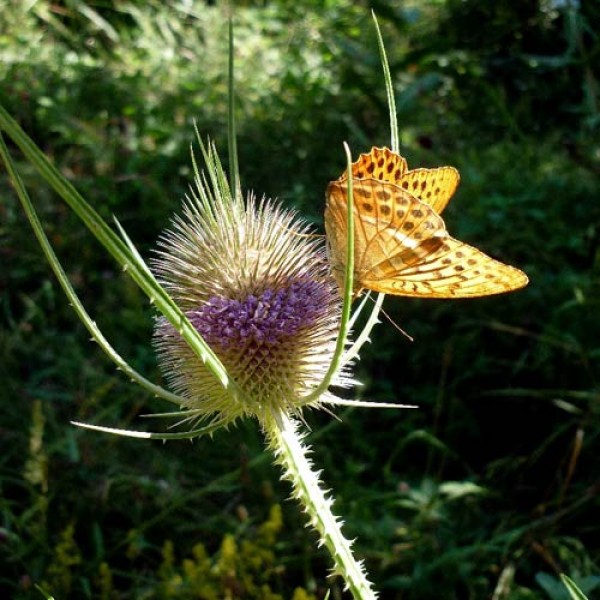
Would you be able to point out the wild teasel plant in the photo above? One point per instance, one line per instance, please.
(253, 285)
(251, 322)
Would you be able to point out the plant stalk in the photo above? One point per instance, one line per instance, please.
(286, 443)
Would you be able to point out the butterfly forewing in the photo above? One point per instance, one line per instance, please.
(453, 270)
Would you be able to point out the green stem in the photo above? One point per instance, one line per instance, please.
(120, 250)
(338, 354)
(286, 443)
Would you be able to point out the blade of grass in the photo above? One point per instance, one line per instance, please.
(395, 145)
(574, 591)
(234, 172)
(389, 88)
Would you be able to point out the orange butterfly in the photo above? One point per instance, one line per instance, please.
(401, 245)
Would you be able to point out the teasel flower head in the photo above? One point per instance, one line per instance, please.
(255, 284)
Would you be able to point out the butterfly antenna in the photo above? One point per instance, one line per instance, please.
(410, 338)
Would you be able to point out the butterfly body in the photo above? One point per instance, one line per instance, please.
(401, 245)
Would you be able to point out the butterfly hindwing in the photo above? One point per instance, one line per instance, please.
(393, 229)
(381, 164)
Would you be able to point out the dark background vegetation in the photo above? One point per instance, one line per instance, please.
(489, 489)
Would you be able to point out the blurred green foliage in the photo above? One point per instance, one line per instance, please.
(490, 489)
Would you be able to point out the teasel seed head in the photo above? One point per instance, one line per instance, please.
(255, 284)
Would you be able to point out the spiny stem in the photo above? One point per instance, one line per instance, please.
(285, 441)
